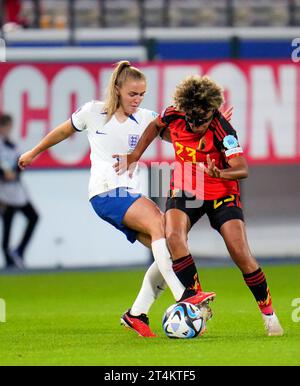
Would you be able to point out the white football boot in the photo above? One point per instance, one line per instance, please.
(272, 325)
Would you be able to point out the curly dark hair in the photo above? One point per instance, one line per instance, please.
(197, 93)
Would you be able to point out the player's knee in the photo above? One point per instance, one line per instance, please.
(175, 238)
(158, 225)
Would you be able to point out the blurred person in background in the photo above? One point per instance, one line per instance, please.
(114, 126)
(203, 139)
(13, 15)
(13, 196)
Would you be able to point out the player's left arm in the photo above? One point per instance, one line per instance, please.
(238, 169)
(226, 141)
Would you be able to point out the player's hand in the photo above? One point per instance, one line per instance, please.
(228, 113)
(211, 168)
(25, 160)
(124, 162)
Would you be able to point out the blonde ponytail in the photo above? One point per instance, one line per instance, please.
(122, 72)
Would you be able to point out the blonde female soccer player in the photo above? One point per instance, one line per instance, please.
(115, 126)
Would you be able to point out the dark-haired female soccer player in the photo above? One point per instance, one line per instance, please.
(206, 145)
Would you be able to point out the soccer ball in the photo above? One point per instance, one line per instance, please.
(183, 320)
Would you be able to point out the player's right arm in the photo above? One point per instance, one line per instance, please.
(152, 131)
(59, 134)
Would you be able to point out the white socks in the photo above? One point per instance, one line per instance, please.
(159, 275)
(162, 257)
(153, 285)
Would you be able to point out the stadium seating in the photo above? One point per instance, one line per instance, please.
(161, 13)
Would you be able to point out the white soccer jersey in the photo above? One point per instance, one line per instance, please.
(106, 139)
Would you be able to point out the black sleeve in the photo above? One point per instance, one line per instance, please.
(169, 115)
(224, 133)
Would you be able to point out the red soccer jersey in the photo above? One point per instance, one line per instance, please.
(219, 141)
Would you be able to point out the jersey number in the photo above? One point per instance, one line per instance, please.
(189, 151)
(219, 202)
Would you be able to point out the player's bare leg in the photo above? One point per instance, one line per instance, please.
(177, 227)
(234, 235)
(145, 217)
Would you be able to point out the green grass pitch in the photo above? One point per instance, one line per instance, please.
(73, 319)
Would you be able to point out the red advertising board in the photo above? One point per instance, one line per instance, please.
(265, 96)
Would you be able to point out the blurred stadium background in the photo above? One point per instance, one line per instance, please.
(59, 55)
